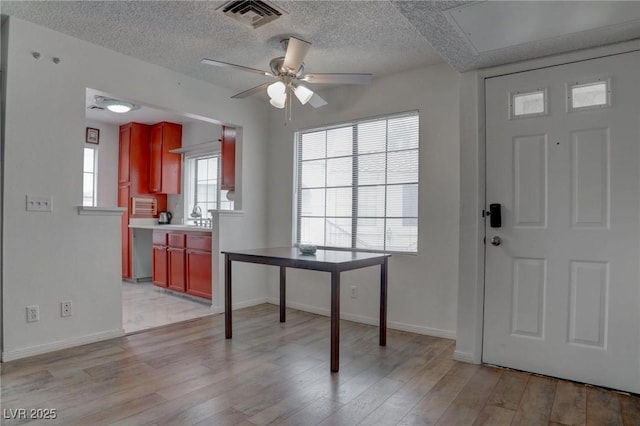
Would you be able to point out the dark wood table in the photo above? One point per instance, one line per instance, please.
(332, 261)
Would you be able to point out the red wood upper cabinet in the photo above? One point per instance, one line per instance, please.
(125, 146)
(165, 167)
(228, 153)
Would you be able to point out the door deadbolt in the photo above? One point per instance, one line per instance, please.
(496, 241)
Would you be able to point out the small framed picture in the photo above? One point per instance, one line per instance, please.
(93, 135)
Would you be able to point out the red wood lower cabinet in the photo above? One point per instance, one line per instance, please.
(199, 273)
(176, 253)
(159, 276)
(182, 262)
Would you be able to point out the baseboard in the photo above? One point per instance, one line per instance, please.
(465, 357)
(447, 334)
(248, 303)
(62, 344)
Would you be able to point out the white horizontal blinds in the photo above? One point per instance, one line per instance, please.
(358, 185)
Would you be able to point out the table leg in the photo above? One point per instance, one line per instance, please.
(383, 302)
(227, 296)
(335, 321)
(283, 294)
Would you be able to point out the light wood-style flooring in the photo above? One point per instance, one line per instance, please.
(146, 306)
(273, 373)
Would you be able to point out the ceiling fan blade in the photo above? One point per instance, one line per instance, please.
(296, 51)
(251, 91)
(234, 66)
(333, 78)
(316, 101)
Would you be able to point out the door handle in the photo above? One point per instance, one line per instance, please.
(496, 241)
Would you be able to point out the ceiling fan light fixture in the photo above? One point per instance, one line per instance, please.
(303, 94)
(279, 102)
(276, 90)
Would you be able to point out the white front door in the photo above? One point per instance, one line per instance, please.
(562, 288)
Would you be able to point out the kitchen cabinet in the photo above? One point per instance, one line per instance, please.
(176, 262)
(165, 167)
(182, 262)
(159, 259)
(133, 186)
(228, 154)
(123, 154)
(199, 276)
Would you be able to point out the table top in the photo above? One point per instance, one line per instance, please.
(321, 256)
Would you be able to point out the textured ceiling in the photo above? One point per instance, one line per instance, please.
(372, 37)
(378, 37)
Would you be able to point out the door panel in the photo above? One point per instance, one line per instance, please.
(562, 290)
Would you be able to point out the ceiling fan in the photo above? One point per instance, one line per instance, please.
(289, 72)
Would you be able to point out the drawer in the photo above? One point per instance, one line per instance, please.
(160, 238)
(177, 240)
(199, 242)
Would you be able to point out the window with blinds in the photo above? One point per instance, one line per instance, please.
(357, 185)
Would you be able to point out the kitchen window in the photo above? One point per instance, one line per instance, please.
(203, 189)
(89, 177)
(357, 185)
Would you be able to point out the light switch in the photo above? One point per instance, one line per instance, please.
(37, 203)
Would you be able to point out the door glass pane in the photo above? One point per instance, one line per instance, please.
(532, 103)
(589, 95)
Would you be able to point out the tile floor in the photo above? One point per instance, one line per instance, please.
(146, 306)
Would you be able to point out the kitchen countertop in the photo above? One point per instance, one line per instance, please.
(191, 228)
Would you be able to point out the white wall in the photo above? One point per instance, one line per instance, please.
(49, 257)
(422, 288)
(107, 162)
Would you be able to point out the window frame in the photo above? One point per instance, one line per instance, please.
(355, 186)
(190, 177)
(94, 173)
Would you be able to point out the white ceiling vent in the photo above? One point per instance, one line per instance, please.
(253, 13)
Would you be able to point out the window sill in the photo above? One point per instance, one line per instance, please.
(100, 211)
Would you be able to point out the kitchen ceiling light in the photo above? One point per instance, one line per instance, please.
(115, 105)
(303, 94)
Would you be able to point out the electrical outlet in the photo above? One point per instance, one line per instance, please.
(33, 313)
(354, 292)
(39, 203)
(65, 308)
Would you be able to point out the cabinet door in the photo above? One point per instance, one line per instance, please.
(199, 273)
(228, 153)
(165, 166)
(123, 201)
(123, 157)
(176, 268)
(155, 166)
(160, 266)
